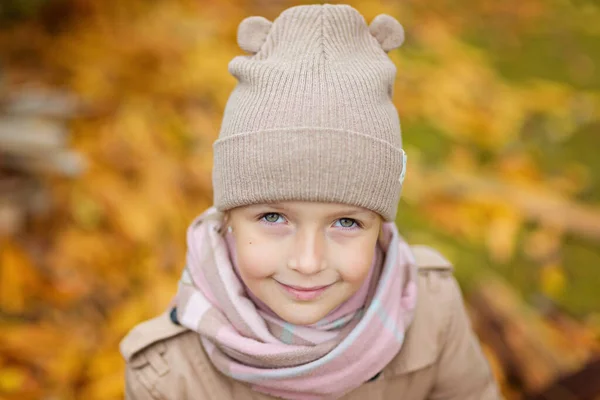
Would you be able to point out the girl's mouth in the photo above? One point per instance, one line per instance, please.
(304, 293)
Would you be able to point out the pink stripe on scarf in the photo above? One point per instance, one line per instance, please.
(231, 338)
(195, 237)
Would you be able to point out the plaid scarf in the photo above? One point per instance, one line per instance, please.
(248, 342)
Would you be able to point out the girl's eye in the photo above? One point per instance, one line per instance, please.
(347, 222)
(271, 217)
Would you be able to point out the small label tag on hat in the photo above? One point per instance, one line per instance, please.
(403, 173)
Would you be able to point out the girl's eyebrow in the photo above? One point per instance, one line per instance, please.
(336, 214)
(267, 206)
(351, 212)
(276, 206)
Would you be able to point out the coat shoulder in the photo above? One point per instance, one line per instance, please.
(148, 333)
(441, 356)
(429, 259)
(166, 361)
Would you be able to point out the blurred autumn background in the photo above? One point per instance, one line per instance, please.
(108, 111)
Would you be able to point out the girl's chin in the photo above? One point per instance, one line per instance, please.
(302, 313)
(304, 320)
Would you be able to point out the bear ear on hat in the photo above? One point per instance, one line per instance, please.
(252, 33)
(388, 32)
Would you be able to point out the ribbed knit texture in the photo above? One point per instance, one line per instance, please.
(312, 118)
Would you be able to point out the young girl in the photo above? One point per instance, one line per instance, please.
(297, 283)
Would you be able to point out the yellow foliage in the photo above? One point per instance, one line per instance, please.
(502, 234)
(12, 379)
(553, 280)
(18, 277)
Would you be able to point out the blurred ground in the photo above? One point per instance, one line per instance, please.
(108, 111)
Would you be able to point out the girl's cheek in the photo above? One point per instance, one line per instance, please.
(355, 271)
(355, 265)
(256, 261)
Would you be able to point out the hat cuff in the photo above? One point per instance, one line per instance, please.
(308, 164)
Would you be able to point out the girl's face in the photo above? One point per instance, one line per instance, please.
(303, 259)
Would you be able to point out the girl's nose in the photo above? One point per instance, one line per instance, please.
(308, 253)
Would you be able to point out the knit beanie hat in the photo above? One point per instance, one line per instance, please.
(312, 118)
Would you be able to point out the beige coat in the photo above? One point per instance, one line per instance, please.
(440, 359)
